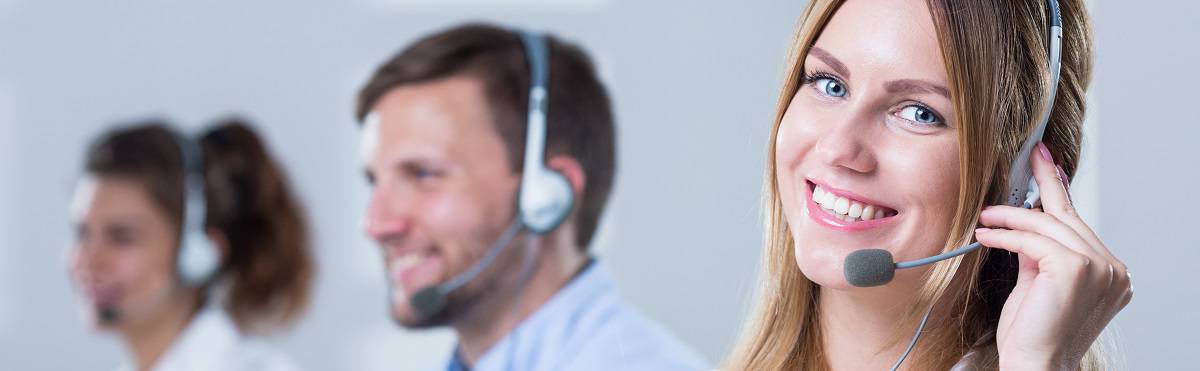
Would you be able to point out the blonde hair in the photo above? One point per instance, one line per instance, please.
(989, 47)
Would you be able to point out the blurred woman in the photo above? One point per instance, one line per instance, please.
(187, 248)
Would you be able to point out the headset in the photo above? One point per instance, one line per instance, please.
(546, 196)
(874, 267)
(197, 260)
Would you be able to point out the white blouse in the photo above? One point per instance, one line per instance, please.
(212, 342)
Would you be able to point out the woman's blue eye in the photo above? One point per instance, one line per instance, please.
(920, 114)
(830, 87)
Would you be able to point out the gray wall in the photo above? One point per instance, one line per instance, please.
(694, 84)
(1147, 89)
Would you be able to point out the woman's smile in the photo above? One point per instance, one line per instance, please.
(843, 210)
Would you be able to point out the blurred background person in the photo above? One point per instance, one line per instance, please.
(501, 234)
(187, 247)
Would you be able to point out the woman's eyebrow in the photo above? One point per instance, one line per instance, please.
(916, 87)
(833, 62)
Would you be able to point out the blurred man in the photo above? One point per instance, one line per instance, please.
(444, 125)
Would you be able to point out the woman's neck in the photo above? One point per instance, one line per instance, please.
(150, 338)
(858, 326)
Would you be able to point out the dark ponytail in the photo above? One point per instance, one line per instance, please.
(269, 265)
(268, 268)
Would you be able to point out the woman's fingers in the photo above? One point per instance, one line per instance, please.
(1049, 255)
(1057, 202)
(1054, 195)
(1047, 242)
(1038, 222)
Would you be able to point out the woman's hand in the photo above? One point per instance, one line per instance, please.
(1069, 286)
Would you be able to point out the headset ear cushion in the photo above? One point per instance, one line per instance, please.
(198, 260)
(545, 205)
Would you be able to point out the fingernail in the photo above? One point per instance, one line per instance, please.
(982, 230)
(1066, 182)
(1045, 152)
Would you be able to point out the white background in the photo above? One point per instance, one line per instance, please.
(694, 84)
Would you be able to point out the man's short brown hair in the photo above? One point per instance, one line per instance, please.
(579, 117)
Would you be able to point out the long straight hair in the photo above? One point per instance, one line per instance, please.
(996, 61)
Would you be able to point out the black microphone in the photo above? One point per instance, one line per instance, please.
(432, 299)
(108, 314)
(875, 267)
(869, 267)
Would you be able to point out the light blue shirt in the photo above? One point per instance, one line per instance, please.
(586, 326)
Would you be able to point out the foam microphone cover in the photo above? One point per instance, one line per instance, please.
(109, 315)
(869, 267)
(428, 301)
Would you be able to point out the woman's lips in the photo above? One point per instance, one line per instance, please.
(844, 211)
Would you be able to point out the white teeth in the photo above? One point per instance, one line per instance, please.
(847, 209)
(841, 206)
(855, 210)
(407, 261)
(827, 200)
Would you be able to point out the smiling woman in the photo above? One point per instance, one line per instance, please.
(894, 128)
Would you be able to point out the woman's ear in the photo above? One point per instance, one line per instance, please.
(570, 168)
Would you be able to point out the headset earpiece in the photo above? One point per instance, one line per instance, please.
(546, 196)
(197, 260)
(547, 203)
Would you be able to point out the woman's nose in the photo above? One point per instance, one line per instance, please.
(85, 258)
(846, 145)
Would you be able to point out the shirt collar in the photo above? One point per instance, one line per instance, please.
(209, 337)
(540, 340)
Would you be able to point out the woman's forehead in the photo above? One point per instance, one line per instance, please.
(892, 39)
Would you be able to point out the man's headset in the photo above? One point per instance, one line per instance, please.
(546, 196)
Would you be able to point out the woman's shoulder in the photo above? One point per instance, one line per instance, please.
(247, 351)
(257, 354)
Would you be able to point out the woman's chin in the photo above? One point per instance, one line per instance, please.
(824, 269)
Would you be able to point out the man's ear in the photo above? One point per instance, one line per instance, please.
(571, 168)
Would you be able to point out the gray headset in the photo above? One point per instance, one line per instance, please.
(1021, 186)
(545, 198)
(197, 260)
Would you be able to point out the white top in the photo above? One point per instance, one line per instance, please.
(212, 341)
